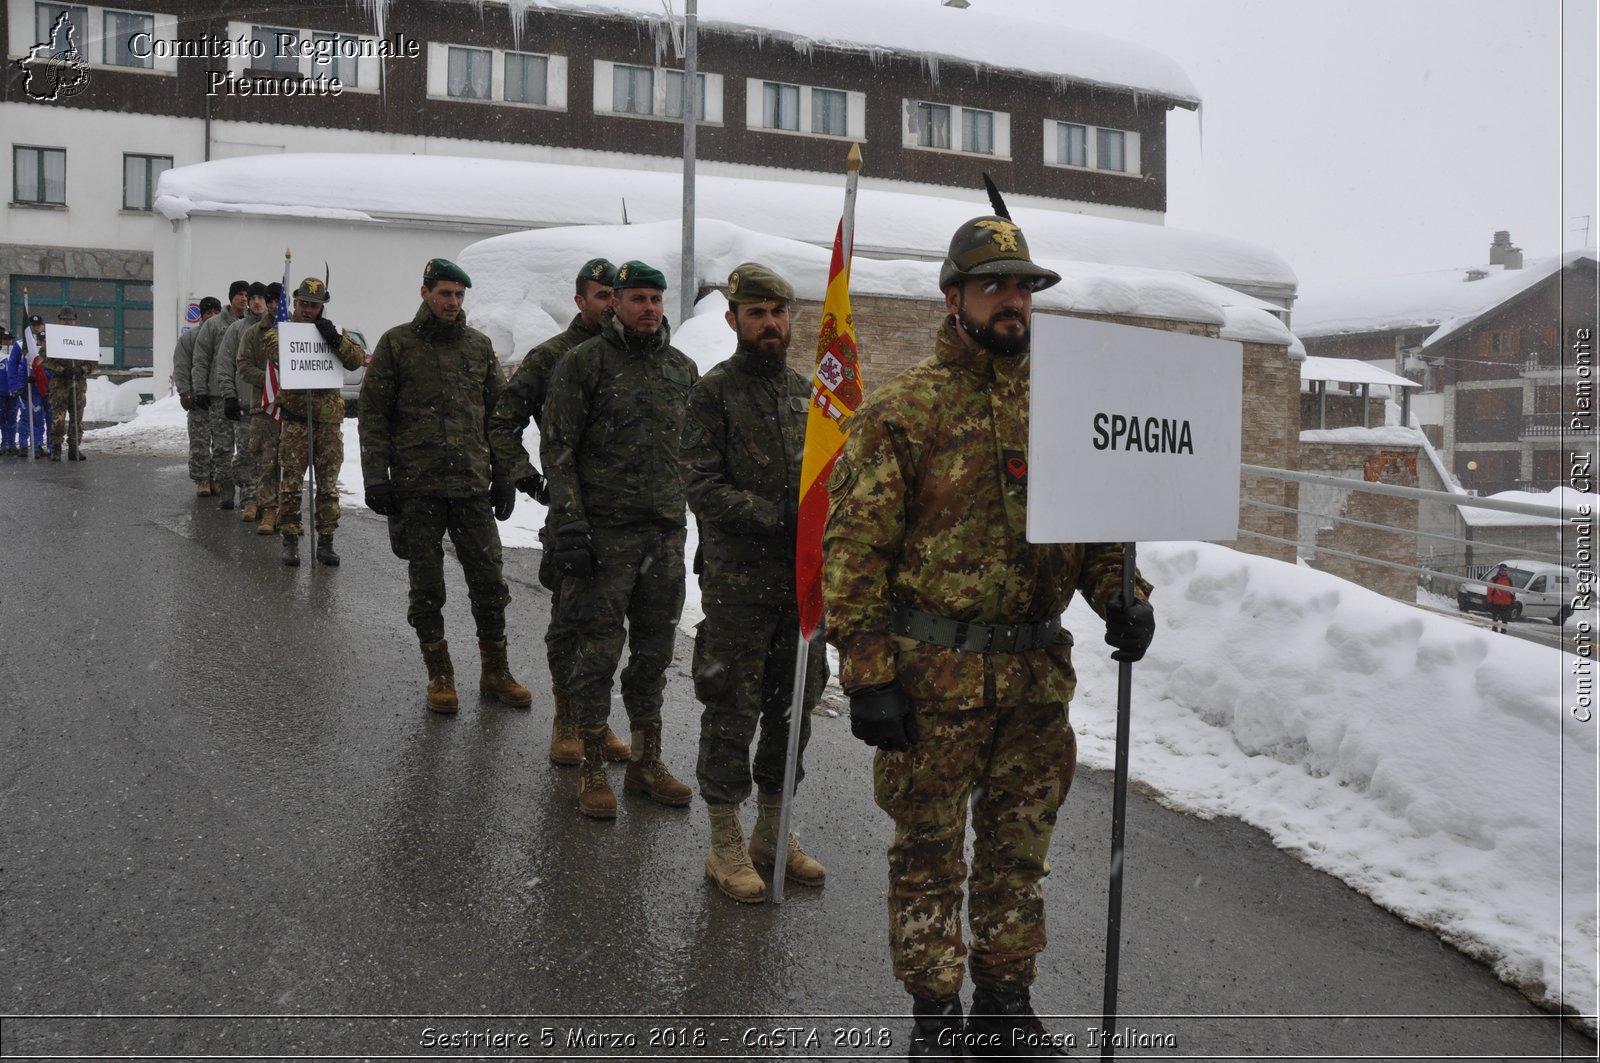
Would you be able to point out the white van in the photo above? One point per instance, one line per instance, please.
(1544, 591)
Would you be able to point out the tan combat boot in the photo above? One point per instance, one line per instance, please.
(801, 867)
(647, 774)
(595, 798)
(496, 681)
(249, 513)
(202, 489)
(565, 745)
(441, 676)
(616, 749)
(269, 521)
(728, 863)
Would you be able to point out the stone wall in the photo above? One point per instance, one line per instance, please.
(1319, 533)
(68, 263)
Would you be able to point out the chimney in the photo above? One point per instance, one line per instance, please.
(1502, 254)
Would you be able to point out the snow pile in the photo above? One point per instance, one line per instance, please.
(160, 427)
(107, 400)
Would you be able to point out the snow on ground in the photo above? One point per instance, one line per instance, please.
(1426, 762)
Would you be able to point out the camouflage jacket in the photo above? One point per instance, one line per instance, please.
(742, 447)
(203, 375)
(183, 361)
(523, 398)
(227, 360)
(929, 506)
(250, 365)
(613, 422)
(424, 410)
(65, 369)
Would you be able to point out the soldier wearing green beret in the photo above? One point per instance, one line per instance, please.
(948, 625)
(522, 401)
(429, 464)
(611, 431)
(742, 449)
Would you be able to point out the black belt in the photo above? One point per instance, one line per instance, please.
(966, 635)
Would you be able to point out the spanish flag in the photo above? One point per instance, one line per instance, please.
(835, 394)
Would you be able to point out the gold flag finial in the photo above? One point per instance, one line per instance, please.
(852, 161)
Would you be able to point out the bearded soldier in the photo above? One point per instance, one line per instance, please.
(522, 401)
(742, 448)
(612, 426)
(948, 624)
(430, 465)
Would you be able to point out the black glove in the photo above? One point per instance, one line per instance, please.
(503, 493)
(186, 402)
(202, 402)
(535, 488)
(574, 551)
(881, 716)
(1129, 627)
(230, 408)
(328, 331)
(381, 500)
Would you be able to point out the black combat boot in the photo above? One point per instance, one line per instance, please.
(227, 496)
(291, 551)
(1004, 1020)
(325, 554)
(936, 1029)
(55, 453)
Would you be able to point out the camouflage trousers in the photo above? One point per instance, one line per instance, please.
(221, 444)
(744, 676)
(292, 457)
(634, 597)
(264, 435)
(1014, 766)
(200, 468)
(416, 534)
(66, 412)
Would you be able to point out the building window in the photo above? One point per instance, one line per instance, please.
(120, 26)
(468, 73)
(1503, 341)
(1110, 150)
(139, 175)
(632, 89)
(1072, 144)
(977, 131)
(933, 125)
(674, 99)
(780, 106)
(344, 67)
(829, 112)
(44, 22)
(527, 78)
(279, 49)
(39, 175)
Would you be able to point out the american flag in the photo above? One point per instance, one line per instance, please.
(269, 391)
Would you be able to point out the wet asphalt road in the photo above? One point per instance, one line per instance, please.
(229, 826)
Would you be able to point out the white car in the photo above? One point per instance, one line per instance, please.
(350, 391)
(1544, 591)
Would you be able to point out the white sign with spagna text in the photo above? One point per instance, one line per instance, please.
(77, 342)
(305, 362)
(1134, 434)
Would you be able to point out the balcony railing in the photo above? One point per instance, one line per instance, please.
(1542, 363)
(1547, 425)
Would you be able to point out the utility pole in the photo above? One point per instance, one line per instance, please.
(691, 98)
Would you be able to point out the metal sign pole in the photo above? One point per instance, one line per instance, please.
(790, 763)
(311, 475)
(1119, 818)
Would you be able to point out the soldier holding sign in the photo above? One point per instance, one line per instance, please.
(951, 648)
(327, 416)
(69, 390)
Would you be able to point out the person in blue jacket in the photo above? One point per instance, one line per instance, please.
(13, 381)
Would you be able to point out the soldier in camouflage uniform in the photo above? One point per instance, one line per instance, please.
(257, 348)
(207, 379)
(522, 401)
(429, 464)
(613, 422)
(327, 435)
(948, 626)
(69, 391)
(242, 471)
(742, 448)
(199, 421)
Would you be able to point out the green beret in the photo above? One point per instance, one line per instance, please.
(599, 270)
(637, 274)
(754, 283)
(442, 269)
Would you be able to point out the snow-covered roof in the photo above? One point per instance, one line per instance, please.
(1444, 301)
(522, 282)
(1350, 371)
(917, 29)
(1562, 500)
(530, 195)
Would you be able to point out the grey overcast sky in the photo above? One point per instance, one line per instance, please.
(1356, 137)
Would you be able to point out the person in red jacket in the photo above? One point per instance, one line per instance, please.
(1500, 598)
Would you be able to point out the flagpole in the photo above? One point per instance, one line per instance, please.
(802, 643)
(30, 389)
